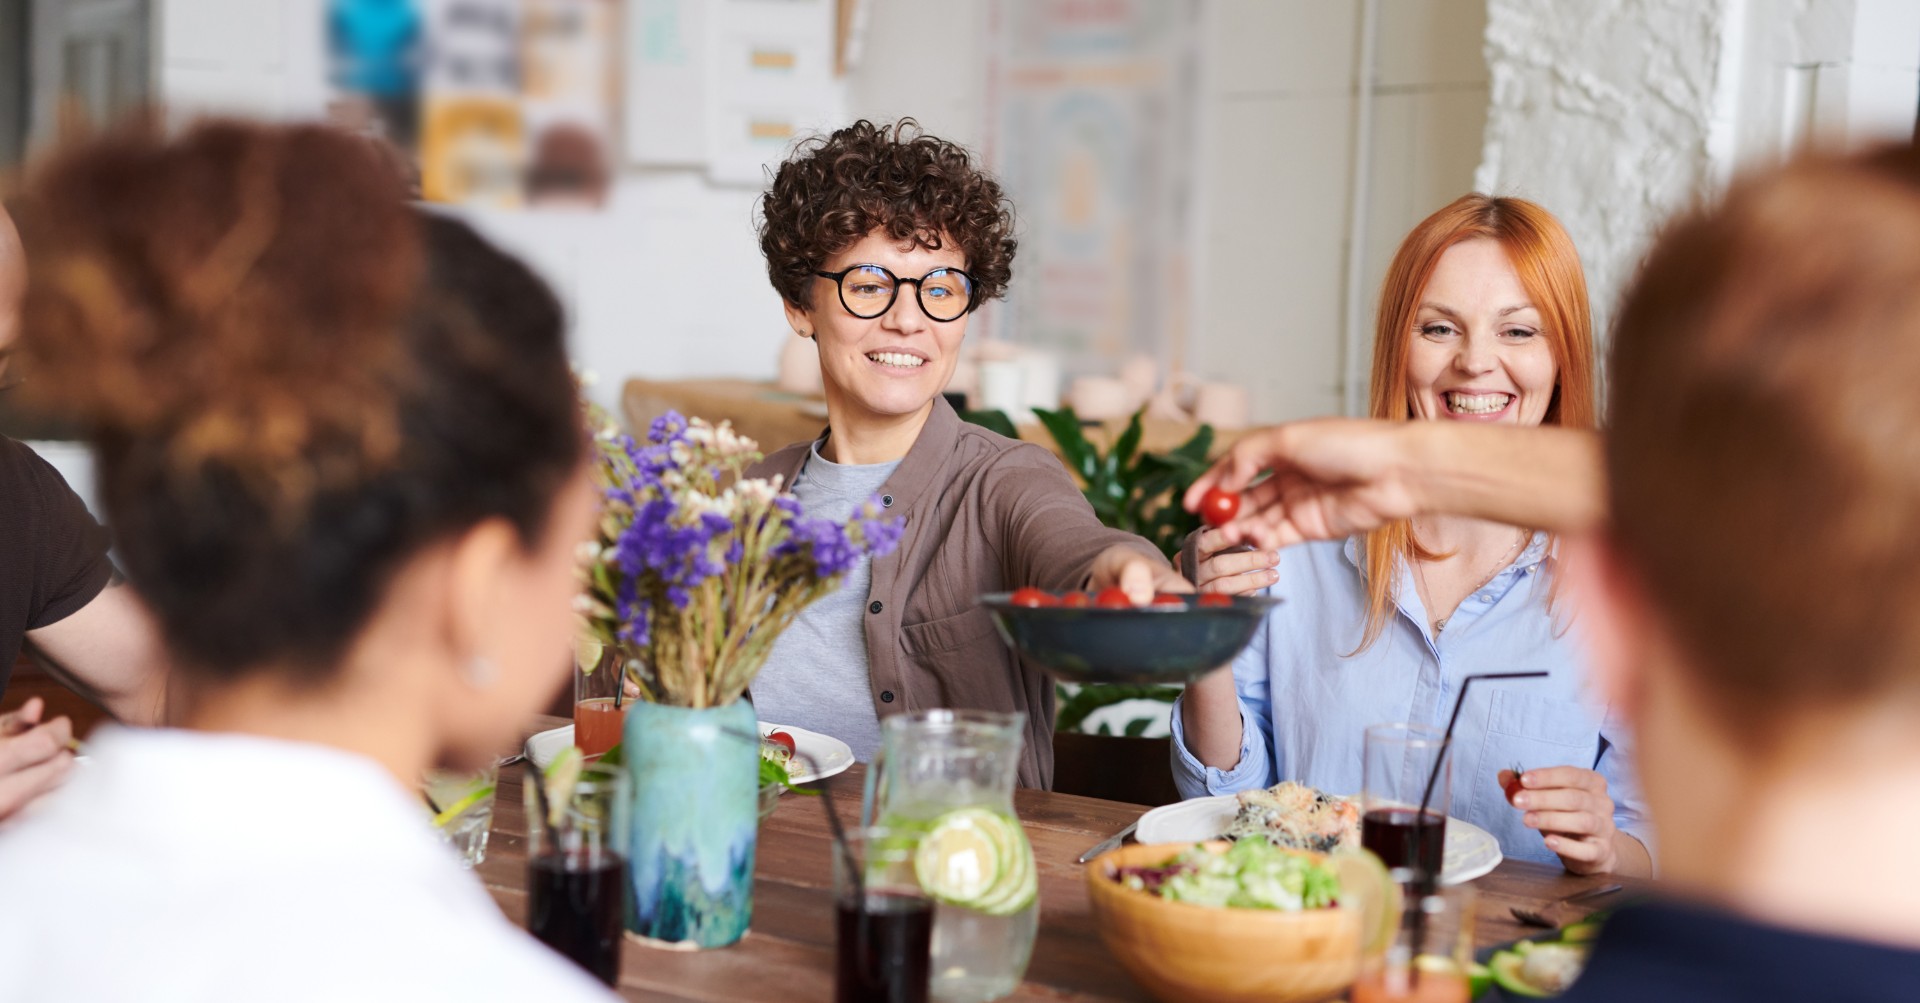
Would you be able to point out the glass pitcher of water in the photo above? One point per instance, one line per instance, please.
(944, 779)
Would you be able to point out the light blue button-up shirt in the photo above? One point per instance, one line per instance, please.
(1305, 704)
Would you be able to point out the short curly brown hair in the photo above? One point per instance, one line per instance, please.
(895, 178)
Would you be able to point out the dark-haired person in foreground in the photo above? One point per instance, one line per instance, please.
(1749, 582)
(883, 240)
(55, 593)
(340, 446)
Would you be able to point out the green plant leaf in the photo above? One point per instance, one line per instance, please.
(1075, 709)
(993, 421)
(1080, 454)
(1137, 727)
(1197, 448)
(1128, 443)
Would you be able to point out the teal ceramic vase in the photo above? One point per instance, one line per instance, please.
(695, 775)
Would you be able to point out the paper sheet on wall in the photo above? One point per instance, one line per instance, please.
(770, 80)
(1092, 134)
(666, 82)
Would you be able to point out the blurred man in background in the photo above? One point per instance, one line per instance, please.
(56, 593)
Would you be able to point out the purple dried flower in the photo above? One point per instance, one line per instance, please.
(667, 428)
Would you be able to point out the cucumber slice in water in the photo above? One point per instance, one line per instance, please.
(964, 856)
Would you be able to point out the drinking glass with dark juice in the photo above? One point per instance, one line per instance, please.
(883, 921)
(577, 870)
(1405, 766)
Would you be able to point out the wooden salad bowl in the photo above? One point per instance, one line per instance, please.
(1184, 952)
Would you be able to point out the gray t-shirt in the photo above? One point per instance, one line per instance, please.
(816, 676)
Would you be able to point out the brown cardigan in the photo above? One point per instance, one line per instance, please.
(984, 513)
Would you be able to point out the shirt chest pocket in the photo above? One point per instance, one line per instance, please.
(1531, 731)
(963, 656)
(959, 631)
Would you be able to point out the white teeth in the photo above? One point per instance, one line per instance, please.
(1460, 403)
(901, 359)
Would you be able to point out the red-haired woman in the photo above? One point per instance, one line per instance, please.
(1483, 319)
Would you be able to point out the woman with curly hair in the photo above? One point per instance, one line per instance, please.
(883, 240)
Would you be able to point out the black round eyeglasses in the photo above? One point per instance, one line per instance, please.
(867, 291)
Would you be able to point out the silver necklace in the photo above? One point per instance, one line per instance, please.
(1420, 570)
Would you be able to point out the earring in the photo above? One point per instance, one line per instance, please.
(803, 334)
(480, 672)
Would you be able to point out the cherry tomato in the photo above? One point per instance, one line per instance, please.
(1217, 507)
(1216, 599)
(1076, 600)
(1512, 786)
(1112, 598)
(1168, 599)
(1033, 597)
(781, 738)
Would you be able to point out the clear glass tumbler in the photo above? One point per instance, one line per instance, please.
(577, 869)
(883, 920)
(1432, 949)
(1405, 766)
(462, 806)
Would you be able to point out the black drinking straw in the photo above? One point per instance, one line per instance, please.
(1446, 740)
(833, 816)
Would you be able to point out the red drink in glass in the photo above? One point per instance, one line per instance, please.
(1401, 838)
(1402, 986)
(883, 952)
(580, 910)
(597, 723)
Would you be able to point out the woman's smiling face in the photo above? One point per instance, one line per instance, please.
(893, 364)
(1476, 351)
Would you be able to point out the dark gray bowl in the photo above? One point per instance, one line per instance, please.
(1149, 644)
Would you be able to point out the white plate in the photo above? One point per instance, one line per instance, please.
(1471, 851)
(830, 755)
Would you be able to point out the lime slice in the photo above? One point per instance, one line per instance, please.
(587, 650)
(454, 810)
(1479, 977)
(558, 779)
(1364, 885)
(963, 857)
(1020, 886)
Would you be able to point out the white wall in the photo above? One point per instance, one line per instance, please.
(1614, 113)
(669, 281)
(1280, 91)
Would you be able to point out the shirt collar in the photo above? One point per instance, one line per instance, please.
(921, 467)
(1536, 552)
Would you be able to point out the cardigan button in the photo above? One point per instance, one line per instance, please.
(886, 501)
(876, 607)
(886, 696)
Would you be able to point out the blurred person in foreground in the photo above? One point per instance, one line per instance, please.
(340, 445)
(882, 241)
(1749, 575)
(55, 593)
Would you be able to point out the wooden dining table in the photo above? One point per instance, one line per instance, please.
(788, 952)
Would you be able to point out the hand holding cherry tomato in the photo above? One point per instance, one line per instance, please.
(1217, 507)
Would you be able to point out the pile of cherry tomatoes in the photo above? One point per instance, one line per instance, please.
(1217, 508)
(1110, 598)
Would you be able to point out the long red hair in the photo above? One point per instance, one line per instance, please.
(1549, 268)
